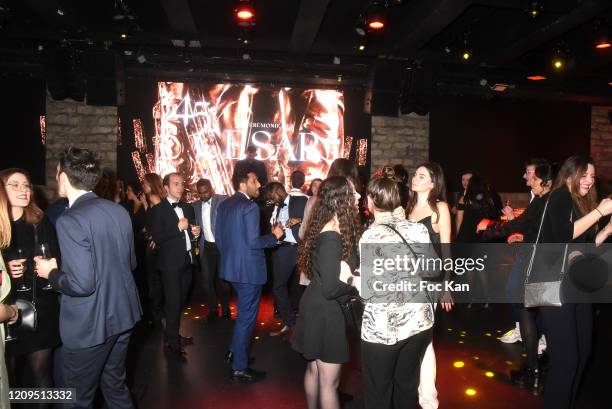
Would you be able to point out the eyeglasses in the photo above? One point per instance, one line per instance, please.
(20, 186)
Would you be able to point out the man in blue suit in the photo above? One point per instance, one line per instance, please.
(243, 264)
(216, 290)
(99, 303)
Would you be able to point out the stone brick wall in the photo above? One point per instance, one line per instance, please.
(601, 140)
(402, 140)
(78, 124)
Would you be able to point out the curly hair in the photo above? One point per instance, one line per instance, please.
(336, 198)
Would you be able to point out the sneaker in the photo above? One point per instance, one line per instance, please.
(541, 345)
(512, 336)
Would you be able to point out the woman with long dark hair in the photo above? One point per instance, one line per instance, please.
(30, 228)
(320, 332)
(477, 204)
(427, 205)
(571, 216)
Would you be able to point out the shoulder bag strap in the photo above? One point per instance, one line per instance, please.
(34, 281)
(401, 237)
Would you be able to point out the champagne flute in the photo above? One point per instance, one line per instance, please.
(45, 253)
(24, 286)
(8, 337)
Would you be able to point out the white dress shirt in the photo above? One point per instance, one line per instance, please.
(207, 222)
(180, 214)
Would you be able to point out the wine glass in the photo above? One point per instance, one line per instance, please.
(24, 286)
(44, 252)
(8, 337)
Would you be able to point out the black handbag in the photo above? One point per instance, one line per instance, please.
(352, 309)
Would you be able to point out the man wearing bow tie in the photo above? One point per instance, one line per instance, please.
(216, 290)
(288, 214)
(170, 228)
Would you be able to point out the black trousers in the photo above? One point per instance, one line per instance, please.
(284, 261)
(216, 290)
(155, 291)
(104, 364)
(569, 334)
(176, 287)
(391, 372)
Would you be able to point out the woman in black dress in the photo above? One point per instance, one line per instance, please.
(571, 216)
(320, 332)
(30, 228)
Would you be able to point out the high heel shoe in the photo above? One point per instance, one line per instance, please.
(527, 378)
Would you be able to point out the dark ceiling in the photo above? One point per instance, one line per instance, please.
(295, 42)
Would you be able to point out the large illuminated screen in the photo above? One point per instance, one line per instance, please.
(203, 130)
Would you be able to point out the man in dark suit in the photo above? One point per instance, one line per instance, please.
(170, 224)
(243, 264)
(99, 303)
(288, 214)
(250, 164)
(216, 290)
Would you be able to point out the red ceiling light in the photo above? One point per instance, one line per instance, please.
(245, 13)
(536, 77)
(603, 42)
(376, 17)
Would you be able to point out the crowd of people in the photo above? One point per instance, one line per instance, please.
(107, 252)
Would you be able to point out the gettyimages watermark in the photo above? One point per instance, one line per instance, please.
(485, 273)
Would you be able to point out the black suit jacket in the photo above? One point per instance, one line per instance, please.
(163, 226)
(99, 296)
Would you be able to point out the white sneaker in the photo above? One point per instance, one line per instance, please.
(512, 336)
(541, 345)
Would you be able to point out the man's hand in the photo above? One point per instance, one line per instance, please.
(509, 212)
(183, 224)
(44, 266)
(292, 222)
(16, 267)
(278, 232)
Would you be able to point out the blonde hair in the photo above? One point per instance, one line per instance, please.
(5, 221)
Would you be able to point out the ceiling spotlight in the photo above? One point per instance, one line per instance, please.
(245, 13)
(339, 78)
(536, 78)
(603, 42)
(558, 63)
(337, 60)
(123, 36)
(534, 8)
(361, 47)
(376, 17)
(466, 55)
(246, 56)
(60, 12)
(141, 59)
(360, 27)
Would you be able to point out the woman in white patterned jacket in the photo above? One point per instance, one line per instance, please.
(395, 330)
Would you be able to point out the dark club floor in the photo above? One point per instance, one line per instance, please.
(466, 335)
